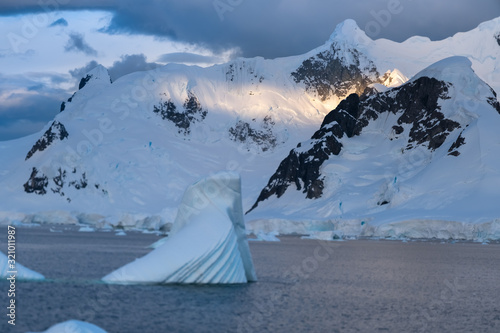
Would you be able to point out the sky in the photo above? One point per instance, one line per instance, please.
(48, 45)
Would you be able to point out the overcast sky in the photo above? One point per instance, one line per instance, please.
(47, 45)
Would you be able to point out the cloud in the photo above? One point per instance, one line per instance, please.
(28, 102)
(80, 72)
(274, 28)
(8, 8)
(77, 43)
(26, 113)
(129, 64)
(32, 107)
(20, 128)
(61, 22)
(189, 58)
(288, 27)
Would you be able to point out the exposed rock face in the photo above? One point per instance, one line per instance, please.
(193, 112)
(40, 183)
(237, 70)
(57, 131)
(453, 151)
(493, 101)
(264, 138)
(36, 184)
(417, 106)
(497, 37)
(337, 73)
(84, 81)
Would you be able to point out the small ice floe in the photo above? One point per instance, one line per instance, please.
(74, 326)
(9, 269)
(86, 228)
(266, 237)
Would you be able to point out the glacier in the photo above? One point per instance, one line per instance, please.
(207, 243)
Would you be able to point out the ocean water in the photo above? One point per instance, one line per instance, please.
(304, 286)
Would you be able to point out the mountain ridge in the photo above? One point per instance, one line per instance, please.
(138, 142)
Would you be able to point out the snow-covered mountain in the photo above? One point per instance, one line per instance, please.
(425, 150)
(124, 152)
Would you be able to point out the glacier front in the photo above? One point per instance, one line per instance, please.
(207, 244)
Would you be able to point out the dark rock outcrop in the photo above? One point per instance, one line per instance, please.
(329, 73)
(36, 184)
(264, 138)
(460, 141)
(84, 81)
(56, 131)
(193, 112)
(493, 101)
(63, 180)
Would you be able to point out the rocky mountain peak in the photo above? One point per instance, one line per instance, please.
(420, 119)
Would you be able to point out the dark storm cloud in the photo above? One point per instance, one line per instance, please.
(26, 110)
(80, 72)
(279, 27)
(287, 27)
(34, 107)
(38, 6)
(188, 58)
(61, 22)
(77, 43)
(19, 128)
(129, 64)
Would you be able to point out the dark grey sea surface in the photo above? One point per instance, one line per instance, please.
(304, 286)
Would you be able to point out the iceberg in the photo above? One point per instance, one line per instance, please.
(23, 273)
(207, 243)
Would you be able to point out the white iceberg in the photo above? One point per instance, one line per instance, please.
(74, 326)
(207, 243)
(22, 272)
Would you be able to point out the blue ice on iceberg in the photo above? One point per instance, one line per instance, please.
(207, 243)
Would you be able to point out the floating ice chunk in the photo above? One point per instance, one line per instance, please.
(23, 273)
(207, 243)
(86, 229)
(267, 236)
(323, 235)
(74, 326)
